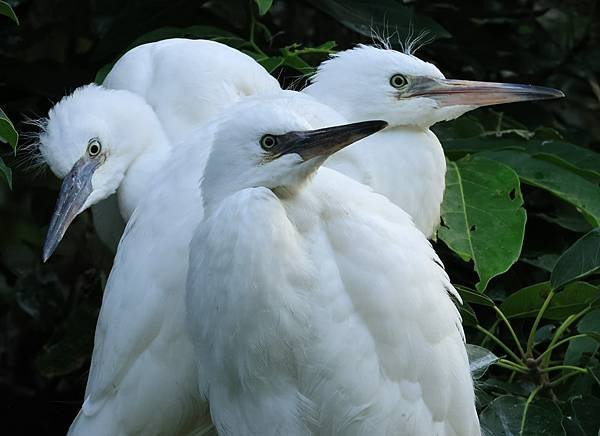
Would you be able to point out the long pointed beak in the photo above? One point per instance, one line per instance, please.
(324, 142)
(74, 191)
(447, 92)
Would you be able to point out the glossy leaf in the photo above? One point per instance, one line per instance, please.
(480, 359)
(264, 6)
(590, 323)
(468, 315)
(8, 132)
(385, 17)
(526, 302)
(583, 419)
(579, 159)
(7, 11)
(508, 416)
(474, 297)
(580, 260)
(272, 63)
(554, 178)
(6, 171)
(482, 214)
(580, 350)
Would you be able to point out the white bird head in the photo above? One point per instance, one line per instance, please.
(368, 82)
(90, 139)
(272, 143)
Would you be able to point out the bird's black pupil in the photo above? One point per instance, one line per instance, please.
(94, 149)
(398, 80)
(269, 141)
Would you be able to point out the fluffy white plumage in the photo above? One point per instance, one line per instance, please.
(152, 98)
(405, 162)
(143, 361)
(315, 305)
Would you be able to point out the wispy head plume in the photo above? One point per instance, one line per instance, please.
(29, 156)
(414, 42)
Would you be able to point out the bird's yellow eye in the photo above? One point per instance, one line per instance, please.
(94, 147)
(398, 81)
(267, 142)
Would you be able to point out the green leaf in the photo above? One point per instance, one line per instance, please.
(544, 334)
(583, 419)
(580, 260)
(6, 10)
(8, 132)
(468, 315)
(264, 6)
(581, 160)
(480, 359)
(270, 64)
(383, 16)
(7, 172)
(580, 350)
(590, 323)
(526, 302)
(482, 214)
(474, 297)
(505, 416)
(102, 73)
(562, 182)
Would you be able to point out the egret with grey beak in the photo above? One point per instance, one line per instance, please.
(405, 162)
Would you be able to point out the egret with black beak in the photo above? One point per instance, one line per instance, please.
(316, 306)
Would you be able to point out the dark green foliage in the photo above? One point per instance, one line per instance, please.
(520, 231)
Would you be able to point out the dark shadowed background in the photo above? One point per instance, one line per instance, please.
(48, 311)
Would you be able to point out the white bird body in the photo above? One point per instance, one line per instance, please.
(317, 307)
(185, 82)
(142, 378)
(138, 365)
(405, 162)
(143, 360)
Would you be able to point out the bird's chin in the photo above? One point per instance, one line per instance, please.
(447, 113)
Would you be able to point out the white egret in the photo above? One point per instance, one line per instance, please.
(316, 306)
(102, 141)
(143, 377)
(406, 162)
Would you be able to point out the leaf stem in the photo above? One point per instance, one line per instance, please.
(558, 344)
(499, 342)
(538, 318)
(509, 364)
(569, 367)
(560, 330)
(561, 379)
(527, 403)
(512, 332)
(492, 329)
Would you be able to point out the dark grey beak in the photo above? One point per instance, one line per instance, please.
(324, 142)
(470, 93)
(74, 191)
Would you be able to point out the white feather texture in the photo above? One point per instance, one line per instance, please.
(406, 162)
(139, 364)
(153, 97)
(143, 376)
(315, 305)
